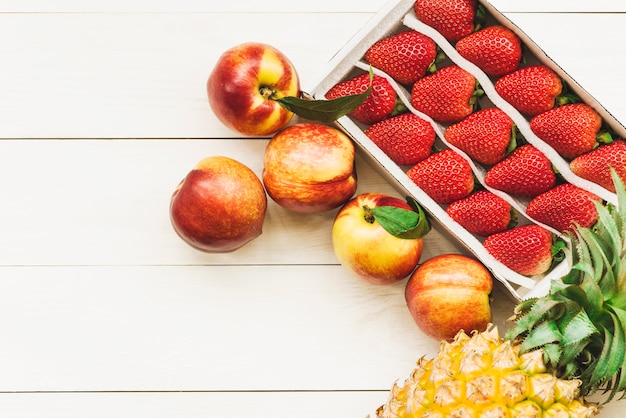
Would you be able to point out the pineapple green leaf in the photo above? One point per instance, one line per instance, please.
(571, 353)
(545, 333)
(570, 370)
(609, 232)
(573, 296)
(524, 306)
(620, 327)
(581, 258)
(596, 253)
(620, 190)
(616, 355)
(579, 328)
(594, 298)
(538, 313)
(552, 354)
(600, 373)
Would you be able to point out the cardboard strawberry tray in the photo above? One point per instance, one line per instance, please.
(398, 16)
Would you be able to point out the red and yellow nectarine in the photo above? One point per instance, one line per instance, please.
(245, 84)
(450, 292)
(219, 206)
(309, 167)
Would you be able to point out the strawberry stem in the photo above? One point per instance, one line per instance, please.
(566, 96)
(438, 59)
(478, 93)
(604, 137)
(513, 141)
(399, 107)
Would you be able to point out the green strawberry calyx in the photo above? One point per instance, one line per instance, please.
(477, 94)
(400, 222)
(326, 111)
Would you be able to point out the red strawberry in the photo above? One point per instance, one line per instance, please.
(531, 90)
(570, 129)
(407, 139)
(526, 172)
(482, 213)
(405, 56)
(594, 165)
(454, 19)
(447, 95)
(380, 103)
(525, 249)
(495, 49)
(564, 206)
(484, 135)
(445, 176)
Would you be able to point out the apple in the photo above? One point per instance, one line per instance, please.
(245, 84)
(309, 167)
(219, 206)
(450, 292)
(363, 245)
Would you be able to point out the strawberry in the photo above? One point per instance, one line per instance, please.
(448, 95)
(526, 172)
(485, 135)
(570, 129)
(495, 49)
(380, 103)
(407, 139)
(482, 213)
(594, 165)
(406, 56)
(564, 206)
(445, 176)
(454, 19)
(525, 249)
(531, 90)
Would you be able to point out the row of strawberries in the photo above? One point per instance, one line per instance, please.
(449, 96)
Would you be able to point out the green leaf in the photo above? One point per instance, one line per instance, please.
(621, 327)
(579, 328)
(399, 222)
(558, 250)
(600, 371)
(326, 111)
(615, 356)
(544, 333)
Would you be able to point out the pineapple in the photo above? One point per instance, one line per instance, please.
(485, 376)
(562, 347)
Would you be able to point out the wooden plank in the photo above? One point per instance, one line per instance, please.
(205, 328)
(100, 202)
(558, 6)
(146, 77)
(334, 404)
(283, 6)
(129, 75)
(186, 6)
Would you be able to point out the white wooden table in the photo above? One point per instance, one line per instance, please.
(104, 311)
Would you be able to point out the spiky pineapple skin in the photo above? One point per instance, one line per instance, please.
(483, 375)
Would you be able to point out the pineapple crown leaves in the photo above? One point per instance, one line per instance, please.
(581, 324)
(326, 111)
